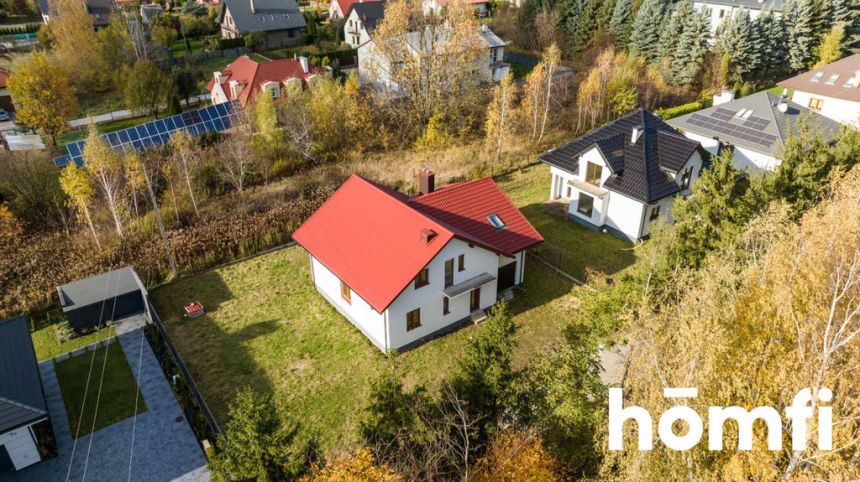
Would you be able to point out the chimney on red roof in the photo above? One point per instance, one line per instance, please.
(426, 181)
(427, 235)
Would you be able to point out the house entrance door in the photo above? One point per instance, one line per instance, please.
(475, 299)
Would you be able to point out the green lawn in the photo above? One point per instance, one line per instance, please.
(48, 346)
(569, 245)
(95, 103)
(78, 134)
(519, 71)
(178, 47)
(116, 392)
(268, 328)
(258, 57)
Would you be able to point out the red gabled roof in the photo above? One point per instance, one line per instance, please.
(249, 72)
(465, 207)
(371, 236)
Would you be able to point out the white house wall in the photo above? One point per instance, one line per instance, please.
(358, 311)
(721, 13)
(21, 447)
(624, 215)
(429, 297)
(841, 110)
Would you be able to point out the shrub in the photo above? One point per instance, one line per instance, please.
(682, 109)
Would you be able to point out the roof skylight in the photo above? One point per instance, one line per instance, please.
(818, 75)
(832, 79)
(496, 221)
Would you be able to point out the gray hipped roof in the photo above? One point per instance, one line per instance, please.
(99, 9)
(98, 288)
(370, 13)
(639, 170)
(754, 122)
(22, 400)
(266, 15)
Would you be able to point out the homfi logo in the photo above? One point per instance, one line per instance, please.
(802, 408)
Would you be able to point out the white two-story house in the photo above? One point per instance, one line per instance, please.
(404, 269)
(722, 10)
(832, 90)
(624, 176)
(361, 19)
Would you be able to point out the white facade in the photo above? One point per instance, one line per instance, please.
(841, 110)
(618, 213)
(720, 13)
(354, 32)
(20, 444)
(388, 330)
(743, 158)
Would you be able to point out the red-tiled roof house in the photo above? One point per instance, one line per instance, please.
(404, 269)
(244, 78)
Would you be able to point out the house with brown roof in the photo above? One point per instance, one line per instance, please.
(404, 269)
(244, 78)
(832, 90)
(624, 176)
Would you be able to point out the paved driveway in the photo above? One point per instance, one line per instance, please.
(165, 448)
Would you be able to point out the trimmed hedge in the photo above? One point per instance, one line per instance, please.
(230, 43)
(682, 109)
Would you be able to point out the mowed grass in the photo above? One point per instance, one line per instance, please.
(266, 327)
(568, 245)
(115, 392)
(48, 345)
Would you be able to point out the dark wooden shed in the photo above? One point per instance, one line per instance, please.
(103, 298)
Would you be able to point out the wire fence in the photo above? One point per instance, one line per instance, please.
(185, 389)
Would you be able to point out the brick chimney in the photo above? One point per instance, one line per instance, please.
(426, 181)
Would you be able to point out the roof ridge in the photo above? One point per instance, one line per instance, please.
(23, 405)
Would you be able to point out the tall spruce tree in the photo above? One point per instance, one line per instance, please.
(690, 49)
(619, 24)
(671, 34)
(774, 52)
(584, 25)
(738, 37)
(802, 37)
(647, 28)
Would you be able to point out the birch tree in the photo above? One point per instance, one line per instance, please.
(185, 156)
(538, 92)
(138, 164)
(500, 115)
(104, 165)
(78, 186)
(236, 158)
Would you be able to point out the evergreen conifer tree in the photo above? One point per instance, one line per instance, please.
(774, 52)
(619, 24)
(677, 23)
(801, 39)
(647, 28)
(585, 25)
(690, 49)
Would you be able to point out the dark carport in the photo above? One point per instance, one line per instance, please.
(110, 296)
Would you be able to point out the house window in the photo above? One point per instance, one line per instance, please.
(592, 173)
(345, 292)
(446, 308)
(569, 192)
(816, 104)
(685, 177)
(461, 262)
(449, 272)
(423, 278)
(722, 13)
(585, 205)
(655, 212)
(413, 319)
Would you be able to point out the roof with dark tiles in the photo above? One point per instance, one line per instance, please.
(22, 400)
(639, 170)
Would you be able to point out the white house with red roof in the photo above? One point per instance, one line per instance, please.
(244, 78)
(404, 269)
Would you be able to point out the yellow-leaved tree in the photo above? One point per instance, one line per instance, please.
(43, 95)
(76, 46)
(78, 186)
(357, 467)
(105, 166)
(499, 125)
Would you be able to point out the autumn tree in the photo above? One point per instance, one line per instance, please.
(356, 467)
(103, 163)
(259, 442)
(433, 59)
(538, 93)
(44, 97)
(80, 189)
(75, 44)
(500, 115)
(186, 156)
(138, 170)
(516, 456)
(831, 46)
(236, 158)
(267, 137)
(29, 186)
(144, 87)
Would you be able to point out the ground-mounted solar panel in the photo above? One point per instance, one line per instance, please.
(214, 118)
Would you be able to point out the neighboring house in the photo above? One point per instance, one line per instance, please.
(26, 433)
(623, 176)
(99, 9)
(103, 298)
(482, 7)
(722, 10)
(340, 8)
(374, 68)
(361, 19)
(832, 90)
(753, 128)
(150, 12)
(404, 269)
(244, 78)
(281, 20)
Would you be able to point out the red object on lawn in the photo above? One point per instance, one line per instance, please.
(193, 309)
